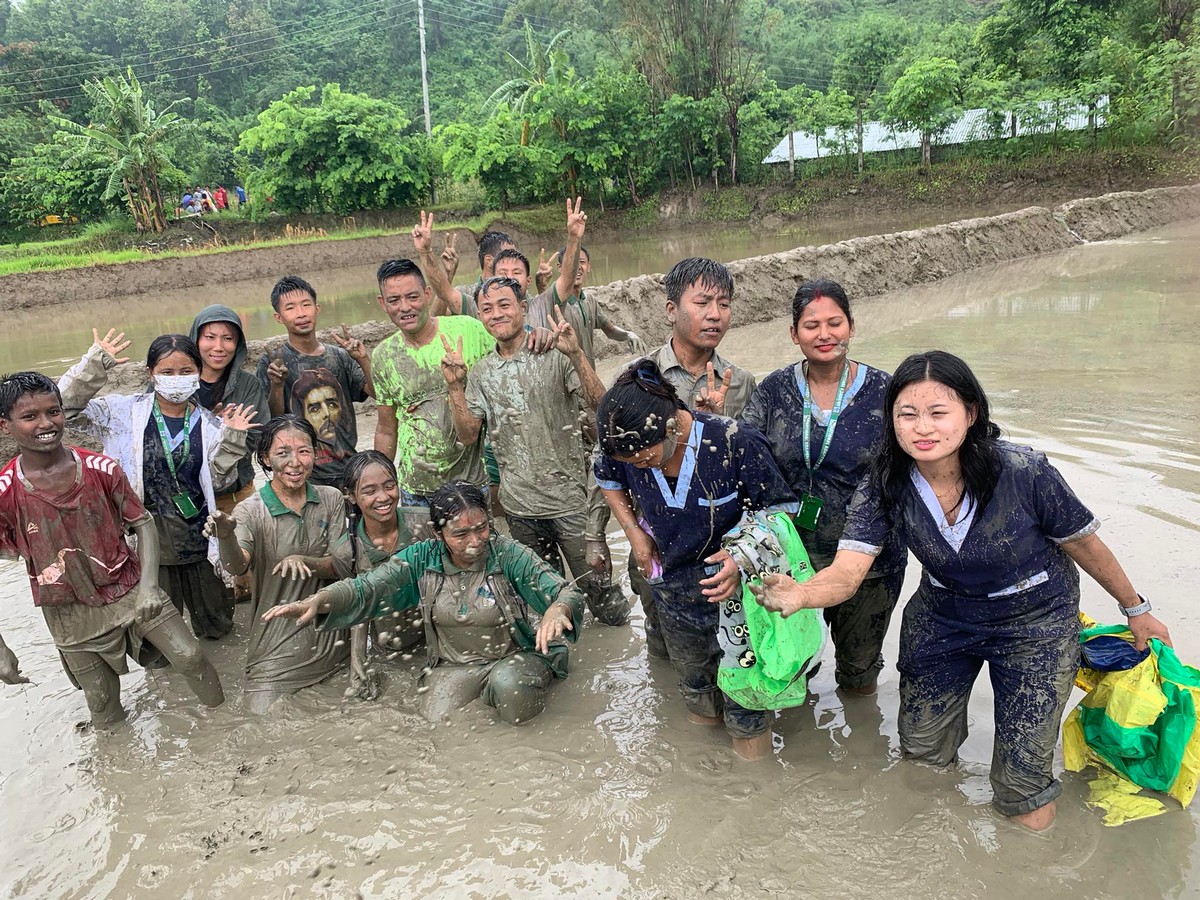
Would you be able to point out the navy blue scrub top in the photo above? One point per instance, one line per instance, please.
(727, 471)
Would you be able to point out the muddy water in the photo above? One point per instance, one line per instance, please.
(1089, 355)
(348, 295)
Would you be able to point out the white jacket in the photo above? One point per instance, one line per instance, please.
(118, 422)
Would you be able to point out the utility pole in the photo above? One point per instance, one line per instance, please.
(425, 86)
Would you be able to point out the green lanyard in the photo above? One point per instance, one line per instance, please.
(806, 438)
(166, 438)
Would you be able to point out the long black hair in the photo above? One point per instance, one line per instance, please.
(452, 499)
(633, 414)
(355, 466)
(978, 455)
(279, 424)
(166, 344)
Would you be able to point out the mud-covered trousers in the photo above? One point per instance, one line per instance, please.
(515, 687)
(1031, 664)
(687, 623)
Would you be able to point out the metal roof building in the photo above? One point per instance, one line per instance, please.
(972, 125)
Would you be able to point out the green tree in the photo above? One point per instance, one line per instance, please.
(925, 99)
(869, 45)
(344, 153)
(133, 136)
(54, 178)
(543, 67)
(493, 154)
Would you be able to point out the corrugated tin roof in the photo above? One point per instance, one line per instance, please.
(972, 125)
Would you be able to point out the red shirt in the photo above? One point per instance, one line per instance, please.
(73, 545)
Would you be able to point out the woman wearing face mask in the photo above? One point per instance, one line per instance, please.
(176, 455)
(493, 610)
(823, 417)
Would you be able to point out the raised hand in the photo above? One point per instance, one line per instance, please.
(566, 339)
(292, 566)
(239, 418)
(540, 340)
(422, 233)
(454, 368)
(576, 219)
(112, 343)
(351, 344)
(277, 368)
(712, 396)
(542, 276)
(219, 525)
(450, 257)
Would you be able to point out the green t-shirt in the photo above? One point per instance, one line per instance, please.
(409, 379)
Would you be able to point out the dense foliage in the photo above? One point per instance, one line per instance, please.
(316, 104)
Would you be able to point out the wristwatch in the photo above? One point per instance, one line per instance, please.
(1131, 611)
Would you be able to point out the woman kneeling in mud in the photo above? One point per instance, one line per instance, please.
(273, 534)
(474, 591)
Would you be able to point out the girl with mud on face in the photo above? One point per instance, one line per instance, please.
(823, 417)
(177, 456)
(999, 533)
(492, 610)
(282, 535)
(379, 527)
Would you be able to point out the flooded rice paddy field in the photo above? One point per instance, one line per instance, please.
(1090, 355)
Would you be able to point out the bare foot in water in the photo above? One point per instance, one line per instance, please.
(1039, 819)
(754, 748)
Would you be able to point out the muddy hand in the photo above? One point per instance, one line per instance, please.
(576, 218)
(239, 418)
(450, 256)
(540, 340)
(636, 345)
(566, 339)
(149, 603)
(219, 525)
(454, 369)
(303, 611)
(552, 626)
(544, 271)
(350, 344)
(712, 398)
(1145, 627)
(277, 368)
(726, 583)
(10, 668)
(422, 233)
(778, 593)
(599, 558)
(292, 567)
(112, 343)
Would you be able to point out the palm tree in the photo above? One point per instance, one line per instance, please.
(133, 134)
(544, 66)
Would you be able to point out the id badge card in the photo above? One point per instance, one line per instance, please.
(185, 504)
(809, 513)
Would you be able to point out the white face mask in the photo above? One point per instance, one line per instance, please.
(176, 388)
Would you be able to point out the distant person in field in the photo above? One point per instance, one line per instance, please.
(221, 197)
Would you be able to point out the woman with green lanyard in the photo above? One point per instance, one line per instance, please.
(823, 417)
(176, 455)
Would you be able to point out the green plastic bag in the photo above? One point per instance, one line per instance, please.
(766, 659)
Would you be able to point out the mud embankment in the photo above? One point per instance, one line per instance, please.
(868, 266)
